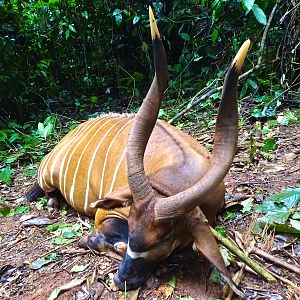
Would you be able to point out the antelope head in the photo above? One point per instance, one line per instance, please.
(159, 223)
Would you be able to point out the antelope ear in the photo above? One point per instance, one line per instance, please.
(205, 243)
(120, 197)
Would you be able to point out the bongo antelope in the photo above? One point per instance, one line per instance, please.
(151, 187)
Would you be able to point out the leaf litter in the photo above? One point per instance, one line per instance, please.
(33, 267)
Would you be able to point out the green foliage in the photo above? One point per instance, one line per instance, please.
(23, 144)
(172, 282)
(247, 205)
(6, 175)
(280, 211)
(65, 233)
(7, 211)
(74, 56)
(45, 260)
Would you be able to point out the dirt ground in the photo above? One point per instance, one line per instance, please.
(258, 177)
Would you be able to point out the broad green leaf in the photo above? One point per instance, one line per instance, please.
(276, 216)
(226, 255)
(94, 99)
(70, 234)
(5, 211)
(118, 19)
(214, 35)
(259, 14)
(269, 145)
(229, 214)
(85, 14)
(185, 36)
(221, 230)
(67, 33)
(117, 11)
(41, 203)
(48, 130)
(135, 19)
(30, 171)
(284, 228)
(56, 226)
(172, 282)
(247, 205)
(215, 276)
(296, 216)
(289, 197)
(3, 136)
(14, 137)
(72, 28)
(252, 83)
(6, 175)
(295, 224)
(22, 209)
(248, 4)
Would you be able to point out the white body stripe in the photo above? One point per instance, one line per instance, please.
(65, 143)
(78, 141)
(85, 128)
(71, 197)
(91, 165)
(106, 156)
(116, 171)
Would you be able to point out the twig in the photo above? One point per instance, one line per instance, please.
(249, 244)
(247, 260)
(288, 282)
(191, 105)
(276, 260)
(237, 280)
(284, 16)
(257, 66)
(262, 45)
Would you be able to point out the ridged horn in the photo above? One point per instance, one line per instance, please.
(145, 119)
(225, 143)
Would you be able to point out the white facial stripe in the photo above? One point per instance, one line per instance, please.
(158, 252)
(134, 254)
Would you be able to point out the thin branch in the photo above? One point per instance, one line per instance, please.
(262, 45)
(257, 66)
(286, 281)
(192, 104)
(242, 256)
(276, 260)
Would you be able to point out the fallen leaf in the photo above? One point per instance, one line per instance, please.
(74, 283)
(37, 221)
(78, 268)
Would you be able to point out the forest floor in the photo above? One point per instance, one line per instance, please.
(32, 266)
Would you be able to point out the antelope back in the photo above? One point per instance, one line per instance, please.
(89, 162)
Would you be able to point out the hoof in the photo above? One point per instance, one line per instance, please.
(53, 202)
(96, 242)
